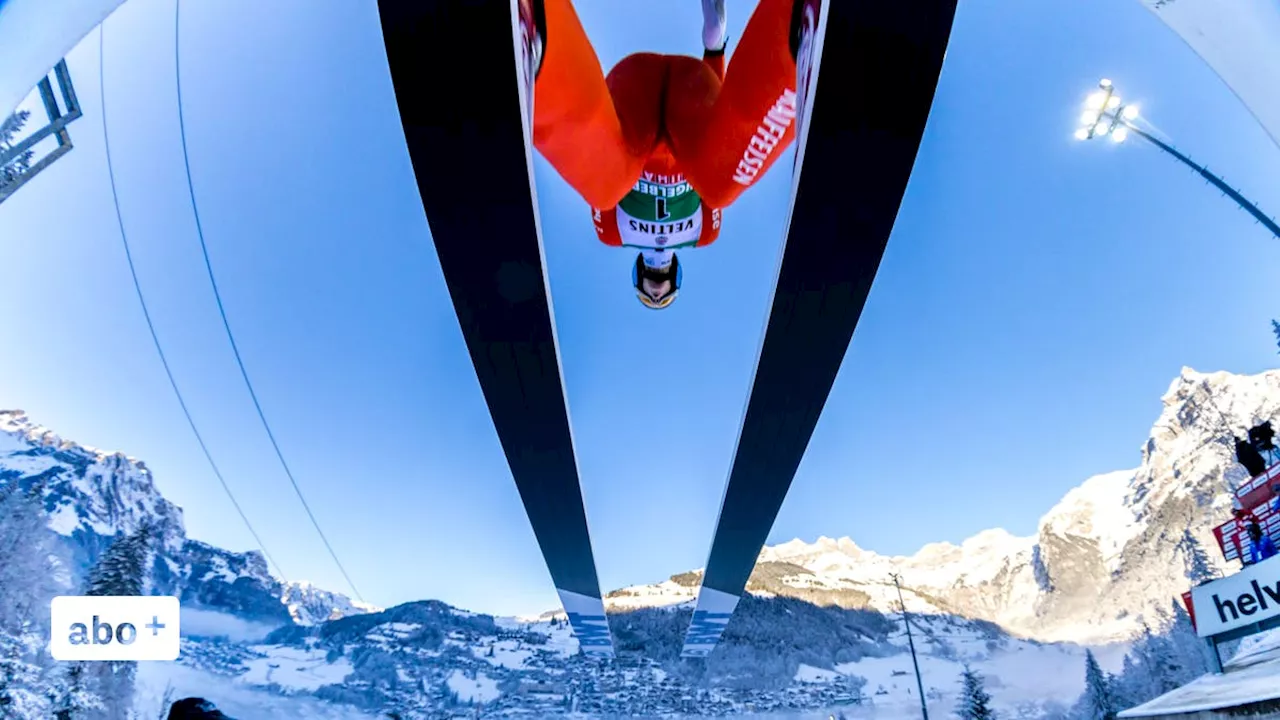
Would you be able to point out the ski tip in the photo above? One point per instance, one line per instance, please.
(710, 618)
(696, 652)
(589, 623)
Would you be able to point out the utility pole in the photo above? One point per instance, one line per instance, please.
(906, 620)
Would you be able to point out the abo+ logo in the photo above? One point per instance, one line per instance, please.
(115, 628)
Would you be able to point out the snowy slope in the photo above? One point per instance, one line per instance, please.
(237, 699)
(1018, 673)
(1112, 554)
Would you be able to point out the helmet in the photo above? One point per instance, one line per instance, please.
(641, 271)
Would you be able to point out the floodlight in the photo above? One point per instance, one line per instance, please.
(1105, 115)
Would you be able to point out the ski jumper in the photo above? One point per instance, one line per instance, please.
(664, 142)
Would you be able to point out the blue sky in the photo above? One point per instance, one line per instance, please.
(1030, 279)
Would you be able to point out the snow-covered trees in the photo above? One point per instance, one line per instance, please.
(27, 567)
(72, 699)
(105, 689)
(122, 568)
(1098, 701)
(8, 130)
(1189, 647)
(1198, 565)
(1158, 663)
(974, 703)
(1146, 672)
(27, 564)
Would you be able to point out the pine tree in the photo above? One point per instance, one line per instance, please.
(1130, 685)
(73, 700)
(20, 678)
(8, 130)
(1162, 671)
(974, 702)
(1198, 565)
(1158, 663)
(1098, 701)
(1275, 328)
(1190, 647)
(121, 570)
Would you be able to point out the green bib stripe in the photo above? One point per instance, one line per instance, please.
(653, 202)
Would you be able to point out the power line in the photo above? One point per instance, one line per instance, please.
(137, 286)
(204, 250)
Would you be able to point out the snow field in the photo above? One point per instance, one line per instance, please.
(294, 668)
(1023, 672)
(506, 653)
(480, 689)
(232, 696)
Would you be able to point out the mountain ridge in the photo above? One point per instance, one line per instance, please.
(1105, 560)
(91, 496)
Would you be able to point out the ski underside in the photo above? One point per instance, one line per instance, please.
(471, 129)
(875, 68)
(464, 111)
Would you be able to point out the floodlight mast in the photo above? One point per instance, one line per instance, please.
(1105, 114)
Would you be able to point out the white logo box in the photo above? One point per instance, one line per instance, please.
(1250, 596)
(114, 628)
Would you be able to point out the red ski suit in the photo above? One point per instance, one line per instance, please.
(665, 118)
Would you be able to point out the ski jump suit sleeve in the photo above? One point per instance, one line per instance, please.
(725, 127)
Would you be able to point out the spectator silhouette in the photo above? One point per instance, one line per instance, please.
(1261, 436)
(196, 709)
(1250, 458)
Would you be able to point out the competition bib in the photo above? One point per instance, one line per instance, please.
(660, 212)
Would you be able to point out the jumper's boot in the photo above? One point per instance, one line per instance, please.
(804, 40)
(531, 22)
(714, 32)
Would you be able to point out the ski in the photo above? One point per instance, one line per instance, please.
(851, 172)
(465, 111)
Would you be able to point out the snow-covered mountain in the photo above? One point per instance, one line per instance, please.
(1113, 553)
(92, 496)
(310, 605)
